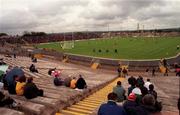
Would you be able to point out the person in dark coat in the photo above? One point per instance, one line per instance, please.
(140, 81)
(130, 104)
(58, 81)
(152, 91)
(32, 68)
(132, 82)
(111, 108)
(81, 83)
(31, 90)
(148, 105)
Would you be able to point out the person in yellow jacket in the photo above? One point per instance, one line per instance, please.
(20, 85)
(73, 83)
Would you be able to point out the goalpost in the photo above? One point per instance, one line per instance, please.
(67, 44)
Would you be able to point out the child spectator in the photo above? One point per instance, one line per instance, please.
(20, 85)
(73, 83)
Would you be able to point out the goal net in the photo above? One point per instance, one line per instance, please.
(67, 44)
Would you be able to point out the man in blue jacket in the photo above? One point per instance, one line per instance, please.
(111, 108)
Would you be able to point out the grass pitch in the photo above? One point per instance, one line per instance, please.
(123, 48)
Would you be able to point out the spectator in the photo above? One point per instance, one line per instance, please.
(166, 72)
(120, 91)
(111, 108)
(67, 81)
(119, 71)
(158, 105)
(7, 101)
(138, 93)
(20, 85)
(50, 71)
(147, 106)
(132, 82)
(130, 104)
(58, 81)
(147, 84)
(140, 81)
(81, 83)
(32, 68)
(152, 91)
(31, 90)
(73, 83)
(12, 86)
(125, 72)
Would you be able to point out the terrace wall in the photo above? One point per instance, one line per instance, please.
(106, 63)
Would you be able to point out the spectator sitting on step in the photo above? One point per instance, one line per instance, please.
(81, 83)
(147, 107)
(34, 60)
(147, 84)
(120, 91)
(31, 90)
(67, 81)
(140, 81)
(132, 82)
(20, 85)
(152, 91)
(50, 71)
(32, 68)
(130, 104)
(7, 101)
(111, 107)
(12, 85)
(138, 93)
(58, 81)
(158, 105)
(73, 83)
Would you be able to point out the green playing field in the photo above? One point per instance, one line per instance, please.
(123, 48)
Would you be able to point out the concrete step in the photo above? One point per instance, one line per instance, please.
(6, 111)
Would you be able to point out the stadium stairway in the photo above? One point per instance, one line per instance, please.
(90, 104)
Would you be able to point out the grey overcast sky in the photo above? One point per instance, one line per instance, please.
(56, 16)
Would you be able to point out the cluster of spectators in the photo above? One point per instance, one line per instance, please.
(141, 99)
(19, 85)
(71, 82)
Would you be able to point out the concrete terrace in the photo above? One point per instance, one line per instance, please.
(57, 98)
